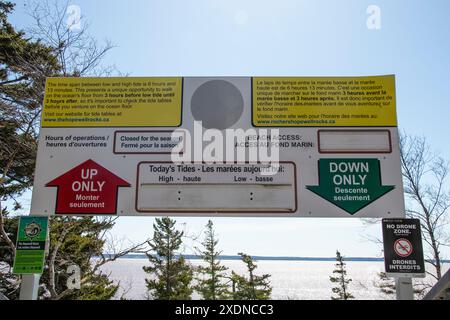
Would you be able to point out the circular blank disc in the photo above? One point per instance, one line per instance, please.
(218, 104)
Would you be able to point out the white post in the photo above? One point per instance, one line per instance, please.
(404, 289)
(29, 287)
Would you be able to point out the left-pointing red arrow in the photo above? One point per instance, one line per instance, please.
(88, 188)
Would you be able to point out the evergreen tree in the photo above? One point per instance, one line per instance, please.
(9, 282)
(26, 60)
(77, 241)
(385, 284)
(252, 288)
(73, 241)
(24, 65)
(234, 279)
(171, 275)
(210, 283)
(340, 279)
(49, 49)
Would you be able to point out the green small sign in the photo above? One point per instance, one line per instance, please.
(30, 245)
(350, 184)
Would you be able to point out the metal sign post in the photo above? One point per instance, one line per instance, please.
(29, 287)
(404, 289)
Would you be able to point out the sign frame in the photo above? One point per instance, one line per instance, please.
(31, 246)
(69, 126)
(410, 233)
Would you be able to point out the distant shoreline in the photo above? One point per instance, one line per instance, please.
(267, 258)
(271, 258)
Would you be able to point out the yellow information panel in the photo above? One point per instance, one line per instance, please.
(324, 101)
(112, 102)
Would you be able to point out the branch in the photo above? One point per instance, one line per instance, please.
(3, 231)
(115, 256)
(13, 80)
(52, 258)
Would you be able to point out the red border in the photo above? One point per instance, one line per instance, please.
(211, 211)
(145, 131)
(353, 151)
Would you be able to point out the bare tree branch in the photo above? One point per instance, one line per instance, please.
(3, 233)
(424, 177)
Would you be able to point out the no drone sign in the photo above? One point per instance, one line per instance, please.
(403, 251)
(229, 146)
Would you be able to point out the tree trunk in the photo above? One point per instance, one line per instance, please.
(3, 233)
(436, 255)
(51, 264)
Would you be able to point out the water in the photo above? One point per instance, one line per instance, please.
(296, 280)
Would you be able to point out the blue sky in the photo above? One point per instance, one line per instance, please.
(286, 38)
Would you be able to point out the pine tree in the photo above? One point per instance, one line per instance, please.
(235, 279)
(26, 60)
(9, 282)
(210, 283)
(73, 241)
(341, 280)
(385, 284)
(254, 287)
(24, 65)
(171, 275)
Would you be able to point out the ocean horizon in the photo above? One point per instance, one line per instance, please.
(268, 258)
(290, 279)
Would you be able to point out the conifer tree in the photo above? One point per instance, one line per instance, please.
(49, 48)
(340, 279)
(74, 241)
(210, 283)
(171, 276)
(385, 284)
(234, 280)
(254, 287)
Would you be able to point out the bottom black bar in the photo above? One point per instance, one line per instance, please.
(181, 310)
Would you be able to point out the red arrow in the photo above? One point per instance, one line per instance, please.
(88, 188)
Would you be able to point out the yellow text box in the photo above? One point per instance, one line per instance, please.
(324, 101)
(112, 102)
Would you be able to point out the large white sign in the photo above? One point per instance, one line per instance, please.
(282, 147)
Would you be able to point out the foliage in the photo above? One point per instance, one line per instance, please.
(79, 242)
(49, 49)
(73, 241)
(171, 276)
(385, 284)
(24, 66)
(425, 180)
(340, 280)
(253, 287)
(9, 283)
(210, 283)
